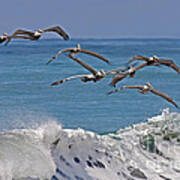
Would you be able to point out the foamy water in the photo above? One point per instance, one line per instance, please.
(148, 150)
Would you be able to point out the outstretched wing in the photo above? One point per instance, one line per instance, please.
(169, 63)
(138, 57)
(67, 79)
(58, 53)
(165, 96)
(120, 69)
(141, 66)
(18, 37)
(94, 54)
(126, 87)
(58, 30)
(29, 34)
(88, 67)
(118, 77)
(24, 32)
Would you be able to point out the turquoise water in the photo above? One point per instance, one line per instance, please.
(27, 99)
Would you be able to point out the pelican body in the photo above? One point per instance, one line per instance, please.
(144, 89)
(37, 34)
(131, 72)
(156, 61)
(77, 50)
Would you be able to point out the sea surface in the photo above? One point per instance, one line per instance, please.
(38, 122)
(27, 99)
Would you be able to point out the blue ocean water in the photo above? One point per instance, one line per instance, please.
(27, 99)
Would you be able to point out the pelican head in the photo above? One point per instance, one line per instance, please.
(78, 46)
(40, 31)
(5, 34)
(102, 72)
(131, 69)
(155, 57)
(148, 85)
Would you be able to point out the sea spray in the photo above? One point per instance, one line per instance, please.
(143, 151)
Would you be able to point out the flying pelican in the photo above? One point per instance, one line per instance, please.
(131, 72)
(5, 37)
(155, 60)
(37, 34)
(76, 50)
(94, 76)
(144, 89)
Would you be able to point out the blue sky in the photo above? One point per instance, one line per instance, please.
(95, 18)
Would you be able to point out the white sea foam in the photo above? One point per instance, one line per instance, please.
(144, 151)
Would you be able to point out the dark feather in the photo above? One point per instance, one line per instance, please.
(58, 30)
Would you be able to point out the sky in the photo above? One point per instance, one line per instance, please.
(94, 18)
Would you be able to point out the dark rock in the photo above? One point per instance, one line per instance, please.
(137, 173)
(89, 157)
(99, 164)
(89, 163)
(76, 159)
(78, 178)
(62, 174)
(70, 146)
(54, 178)
(64, 160)
(164, 177)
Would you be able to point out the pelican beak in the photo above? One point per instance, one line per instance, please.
(78, 46)
(40, 31)
(155, 57)
(102, 72)
(148, 84)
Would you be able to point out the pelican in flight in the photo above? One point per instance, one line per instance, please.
(155, 60)
(144, 89)
(131, 72)
(37, 34)
(5, 37)
(94, 76)
(77, 50)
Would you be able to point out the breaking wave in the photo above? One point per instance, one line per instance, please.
(148, 150)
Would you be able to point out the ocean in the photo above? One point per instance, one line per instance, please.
(75, 130)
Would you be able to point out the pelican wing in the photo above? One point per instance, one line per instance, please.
(94, 54)
(114, 71)
(169, 63)
(58, 30)
(67, 79)
(29, 34)
(120, 69)
(24, 32)
(165, 96)
(133, 87)
(88, 67)
(118, 77)
(126, 87)
(141, 66)
(58, 53)
(17, 37)
(138, 57)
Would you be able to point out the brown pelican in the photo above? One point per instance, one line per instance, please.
(76, 50)
(37, 34)
(155, 60)
(144, 89)
(94, 76)
(131, 72)
(3, 37)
